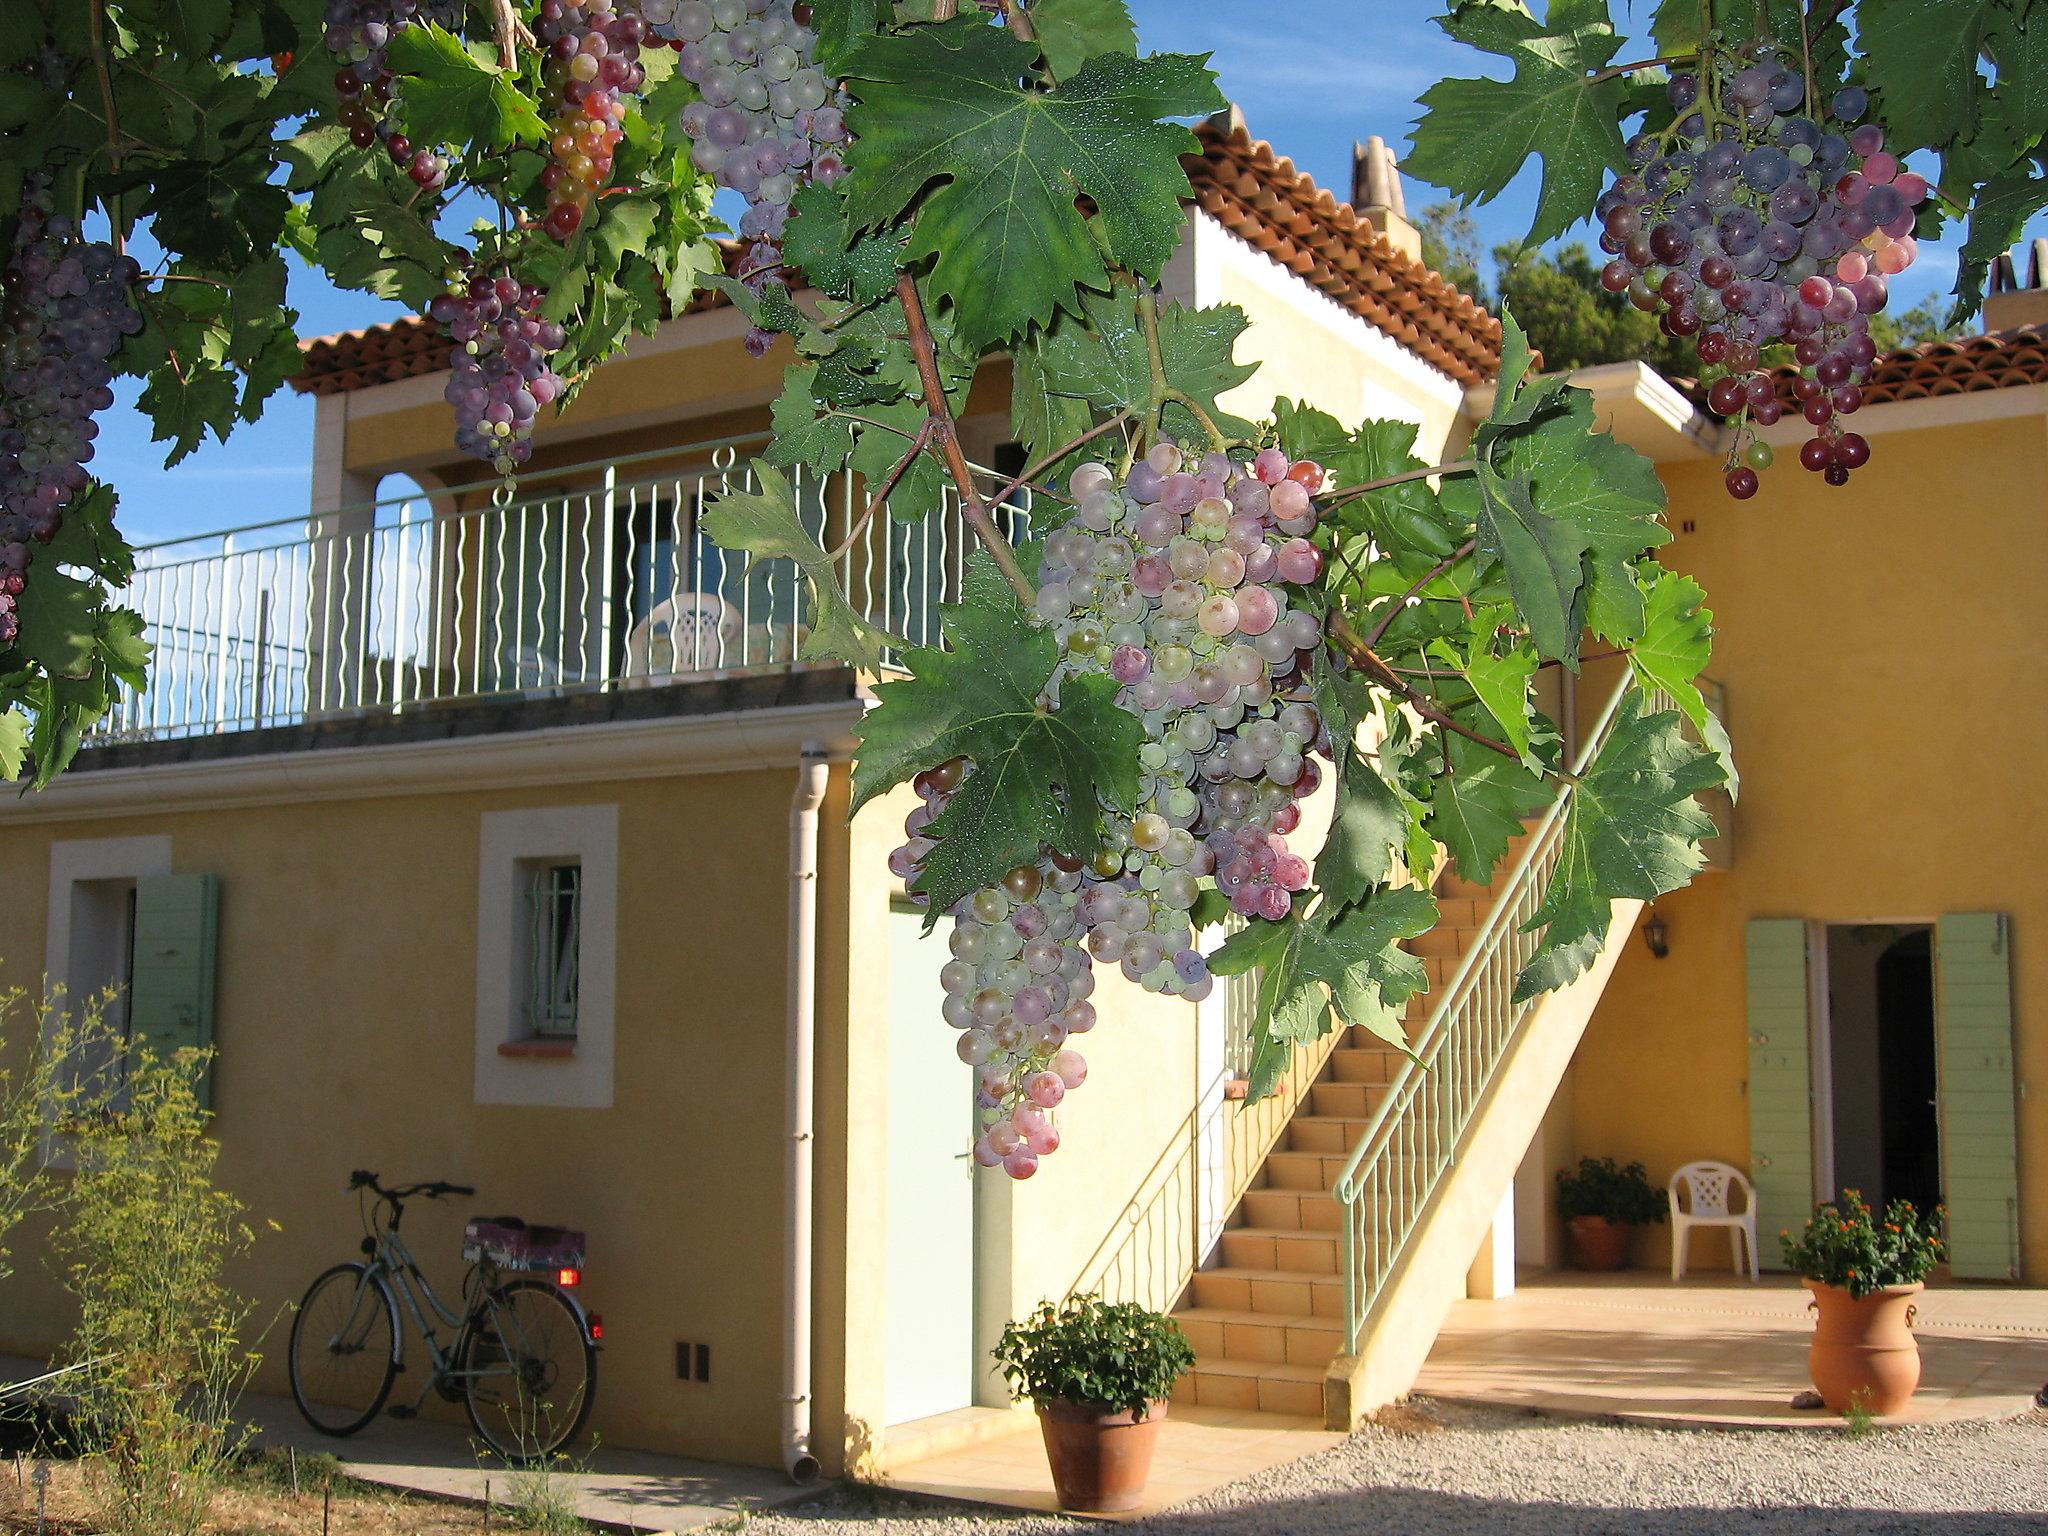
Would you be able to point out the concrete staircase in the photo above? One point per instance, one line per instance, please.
(1268, 1319)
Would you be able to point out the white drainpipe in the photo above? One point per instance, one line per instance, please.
(811, 775)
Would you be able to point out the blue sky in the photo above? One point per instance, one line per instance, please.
(1311, 76)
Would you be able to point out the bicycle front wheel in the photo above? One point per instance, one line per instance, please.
(529, 1370)
(344, 1349)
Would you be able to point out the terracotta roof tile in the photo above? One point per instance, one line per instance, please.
(1997, 360)
(1239, 181)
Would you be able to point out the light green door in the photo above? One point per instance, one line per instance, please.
(930, 1362)
(1979, 1143)
(1780, 1078)
(170, 1005)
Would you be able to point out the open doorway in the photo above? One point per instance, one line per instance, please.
(1883, 1125)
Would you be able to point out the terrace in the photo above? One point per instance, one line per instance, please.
(603, 582)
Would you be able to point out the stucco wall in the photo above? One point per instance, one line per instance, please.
(1886, 695)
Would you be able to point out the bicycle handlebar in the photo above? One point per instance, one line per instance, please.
(432, 1189)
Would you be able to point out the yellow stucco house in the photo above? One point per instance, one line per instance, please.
(507, 845)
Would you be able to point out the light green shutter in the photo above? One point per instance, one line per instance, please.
(170, 1003)
(1980, 1159)
(1780, 1079)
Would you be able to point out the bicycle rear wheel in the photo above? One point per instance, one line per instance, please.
(529, 1369)
(343, 1349)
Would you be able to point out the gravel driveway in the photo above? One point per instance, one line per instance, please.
(1442, 1470)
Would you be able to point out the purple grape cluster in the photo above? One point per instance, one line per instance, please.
(767, 120)
(1173, 584)
(501, 376)
(593, 65)
(1749, 223)
(358, 33)
(65, 310)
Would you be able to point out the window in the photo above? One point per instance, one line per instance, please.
(554, 897)
(546, 947)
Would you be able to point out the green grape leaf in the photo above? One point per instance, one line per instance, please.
(764, 523)
(843, 25)
(998, 166)
(14, 729)
(1368, 823)
(1501, 683)
(2018, 104)
(1475, 135)
(1997, 218)
(1399, 517)
(1070, 32)
(1040, 773)
(1921, 55)
(220, 212)
(1042, 416)
(818, 242)
(194, 26)
(1677, 639)
(1307, 965)
(1109, 362)
(1600, 488)
(1542, 557)
(1675, 29)
(1478, 804)
(1632, 829)
(454, 97)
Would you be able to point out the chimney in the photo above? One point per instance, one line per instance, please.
(1376, 196)
(2011, 303)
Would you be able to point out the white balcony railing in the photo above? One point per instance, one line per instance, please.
(410, 604)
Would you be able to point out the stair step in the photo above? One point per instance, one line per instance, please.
(1297, 1209)
(1273, 1292)
(1290, 1389)
(1326, 1134)
(1450, 887)
(1261, 1338)
(1304, 1170)
(1443, 939)
(1358, 1064)
(1279, 1250)
(1441, 969)
(1463, 912)
(1347, 1101)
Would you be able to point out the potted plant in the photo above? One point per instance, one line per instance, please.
(1099, 1373)
(1864, 1273)
(1602, 1204)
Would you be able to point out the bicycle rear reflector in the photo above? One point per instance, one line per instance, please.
(596, 1328)
(566, 1278)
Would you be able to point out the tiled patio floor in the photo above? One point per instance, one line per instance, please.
(1713, 1350)
(1200, 1449)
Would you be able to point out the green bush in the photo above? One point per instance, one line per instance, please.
(38, 1044)
(1117, 1356)
(1845, 1244)
(158, 1352)
(1602, 1187)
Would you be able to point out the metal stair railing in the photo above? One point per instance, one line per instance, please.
(1413, 1138)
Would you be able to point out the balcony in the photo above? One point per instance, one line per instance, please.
(605, 584)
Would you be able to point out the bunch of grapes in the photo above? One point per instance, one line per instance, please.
(767, 122)
(1750, 223)
(64, 308)
(593, 64)
(501, 376)
(358, 33)
(1174, 585)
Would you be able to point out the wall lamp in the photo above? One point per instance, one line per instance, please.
(1656, 935)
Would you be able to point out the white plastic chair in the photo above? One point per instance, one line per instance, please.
(1707, 1188)
(691, 632)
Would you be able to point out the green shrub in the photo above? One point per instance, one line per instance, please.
(1602, 1187)
(1845, 1244)
(38, 1042)
(158, 1351)
(1114, 1355)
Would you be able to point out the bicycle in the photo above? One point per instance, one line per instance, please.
(523, 1359)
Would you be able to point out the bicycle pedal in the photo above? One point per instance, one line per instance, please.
(401, 1411)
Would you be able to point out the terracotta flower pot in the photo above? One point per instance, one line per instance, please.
(1600, 1244)
(1864, 1353)
(1100, 1460)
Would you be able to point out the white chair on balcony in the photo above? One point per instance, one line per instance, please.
(689, 633)
(1707, 1188)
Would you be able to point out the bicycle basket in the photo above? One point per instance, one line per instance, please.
(509, 1243)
